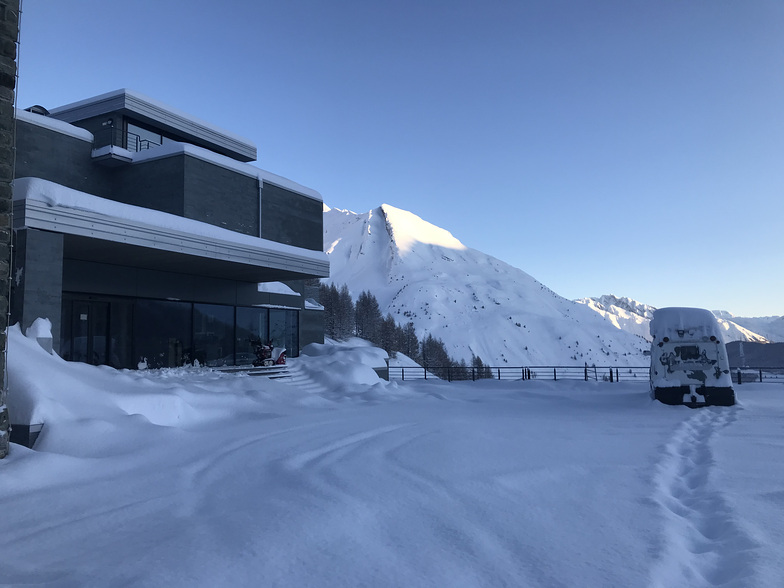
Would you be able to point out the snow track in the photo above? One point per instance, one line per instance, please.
(704, 546)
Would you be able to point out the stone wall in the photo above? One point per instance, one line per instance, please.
(9, 34)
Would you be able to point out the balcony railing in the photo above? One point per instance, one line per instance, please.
(124, 139)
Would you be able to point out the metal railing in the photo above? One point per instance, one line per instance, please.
(748, 375)
(740, 376)
(125, 139)
(459, 373)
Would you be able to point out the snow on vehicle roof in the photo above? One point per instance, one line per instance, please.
(681, 322)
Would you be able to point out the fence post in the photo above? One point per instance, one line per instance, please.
(586, 372)
(425, 371)
(611, 376)
(760, 375)
(473, 374)
(555, 375)
(448, 373)
(617, 375)
(740, 378)
(499, 373)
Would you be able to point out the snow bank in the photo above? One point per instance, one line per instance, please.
(190, 477)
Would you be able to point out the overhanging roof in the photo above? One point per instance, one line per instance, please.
(161, 116)
(92, 236)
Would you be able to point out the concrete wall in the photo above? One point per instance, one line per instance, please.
(158, 184)
(221, 197)
(44, 153)
(9, 33)
(290, 218)
(36, 290)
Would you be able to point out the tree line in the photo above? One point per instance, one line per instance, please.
(344, 319)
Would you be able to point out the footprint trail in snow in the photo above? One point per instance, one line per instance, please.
(703, 544)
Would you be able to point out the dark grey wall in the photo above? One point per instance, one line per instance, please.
(117, 280)
(9, 34)
(290, 218)
(221, 197)
(104, 134)
(47, 154)
(311, 327)
(158, 184)
(36, 288)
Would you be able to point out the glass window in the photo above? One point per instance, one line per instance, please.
(213, 334)
(688, 352)
(284, 330)
(66, 329)
(121, 334)
(162, 332)
(252, 323)
(139, 138)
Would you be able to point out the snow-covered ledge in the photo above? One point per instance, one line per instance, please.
(52, 207)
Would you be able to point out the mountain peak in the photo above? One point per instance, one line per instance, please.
(407, 229)
(475, 303)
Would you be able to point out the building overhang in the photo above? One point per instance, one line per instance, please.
(161, 116)
(92, 236)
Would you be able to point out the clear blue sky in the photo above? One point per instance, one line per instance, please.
(626, 147)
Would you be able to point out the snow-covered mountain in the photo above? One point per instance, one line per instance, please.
(477, 304)
(770, 327)
(633, 316)
(625, 313)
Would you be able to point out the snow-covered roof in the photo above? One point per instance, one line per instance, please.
(681, 322)
(161, 115)
(54, 125)
(173, 148)
(169, 149)
(276, 288)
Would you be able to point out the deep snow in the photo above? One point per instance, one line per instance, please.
(335, 478)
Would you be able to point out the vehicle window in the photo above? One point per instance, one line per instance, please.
(687, 352)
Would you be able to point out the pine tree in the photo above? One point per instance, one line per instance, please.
(344, 324)
(387, 334)
(327, 301)
(480, 369)
(409, 343)
(368, 318)
(435, 357)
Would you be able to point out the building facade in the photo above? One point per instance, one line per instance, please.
(9, 35)
(147, 237)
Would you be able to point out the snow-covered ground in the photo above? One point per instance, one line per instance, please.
(191, 477)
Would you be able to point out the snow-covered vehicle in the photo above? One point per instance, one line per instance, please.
(689, 362)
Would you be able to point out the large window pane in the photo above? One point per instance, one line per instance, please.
(252, 323)
(213, 334)
(121, 334)
(292, 333)
(162, 332)
(284, 330)
(66, 329)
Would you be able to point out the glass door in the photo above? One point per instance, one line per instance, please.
(89, 331)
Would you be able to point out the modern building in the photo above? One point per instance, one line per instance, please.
(146, 235)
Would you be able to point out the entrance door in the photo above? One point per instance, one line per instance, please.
(90, 331)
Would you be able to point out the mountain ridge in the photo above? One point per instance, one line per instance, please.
(477, 304)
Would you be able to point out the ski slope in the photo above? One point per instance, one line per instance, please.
(192, 477)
